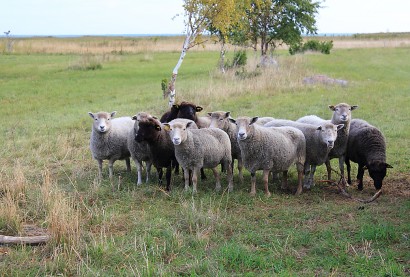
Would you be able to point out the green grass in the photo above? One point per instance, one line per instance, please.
(127, 230)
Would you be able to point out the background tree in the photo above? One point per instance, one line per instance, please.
(274, 22)
(199, 14)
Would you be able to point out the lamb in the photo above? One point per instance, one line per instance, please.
(139, 150)
(366, 147)
(161, 147)
(270, 149)
(342, 114)
(319, 141)
(264, 120)
(220, 119)
(108, 140)
(201, 148)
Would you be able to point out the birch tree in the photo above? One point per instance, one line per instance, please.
(198, 16)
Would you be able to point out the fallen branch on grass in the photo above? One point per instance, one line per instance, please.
(35, 240)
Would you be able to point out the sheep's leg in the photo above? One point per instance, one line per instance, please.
(194, 179)
(218, 181)
(100, 162)
(160, 172)
(265, 181)
(342, 170)
(329, 170)
(240, 167)
(148, 170)
(139, 171)
(203, 176)
(285, 179)
(168, 176)
(128, 163)
(111, 169)
(300, 182)
(253, 183)
(360, 173)
(306, 181)
(187, 175)
(311, 177)
(348, 168)
(230, 178)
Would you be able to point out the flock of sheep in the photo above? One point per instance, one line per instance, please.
(182, 138)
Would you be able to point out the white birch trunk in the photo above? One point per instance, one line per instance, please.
(171, 86)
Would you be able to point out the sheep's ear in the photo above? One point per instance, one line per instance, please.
(340, 126)
(388, 166)
(198, 108)
(227, 114)
(167, 127)
(232, 120)
(210, 114)
(254, 119)
(332, 107)
(319, 128)
(189, 124)
(175, 106)
(92, 115)
(354, 107)
(134, 117)
(157, 127)
(113, 114)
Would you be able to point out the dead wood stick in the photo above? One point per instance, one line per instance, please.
(34, 240)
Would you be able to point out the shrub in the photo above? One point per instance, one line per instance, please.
(312, 45)
(239, 59)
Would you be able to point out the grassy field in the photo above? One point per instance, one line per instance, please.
(48, 179)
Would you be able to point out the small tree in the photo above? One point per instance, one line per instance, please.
(198, 16)
(274, 22)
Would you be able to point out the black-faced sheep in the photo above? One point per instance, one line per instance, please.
(108, 139)
(200, 148)
(162, 149)
(320, 140)
(366, 147)
(342, 114)
(220, 119)
(140, 151)
(270, 149)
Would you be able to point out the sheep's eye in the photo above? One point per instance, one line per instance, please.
(221, 119)
(96, 119)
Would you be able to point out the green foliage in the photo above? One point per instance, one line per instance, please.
(311, 45)
(164, 85)
(239, 59)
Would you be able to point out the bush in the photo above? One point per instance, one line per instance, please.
(239, 59)
(312, 45)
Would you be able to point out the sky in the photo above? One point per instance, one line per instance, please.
(102, 17)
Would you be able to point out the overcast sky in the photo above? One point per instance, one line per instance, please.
(99, 17)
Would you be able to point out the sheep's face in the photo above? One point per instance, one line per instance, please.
(102, 121)
(328, 133)
(342, 112)
(219, 120)
(377, 171)
(139, 117)
(148, 130)
(244, 126)
(177, 131)
(188, 110)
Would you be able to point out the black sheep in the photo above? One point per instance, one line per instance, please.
(366, 147)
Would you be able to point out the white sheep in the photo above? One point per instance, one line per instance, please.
(220, 119)
(109, 140)
(342, 114)
(200, 148)
(140, 151)
(270, 149)
(319, 141)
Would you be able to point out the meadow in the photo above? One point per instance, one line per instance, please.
(49, 184)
